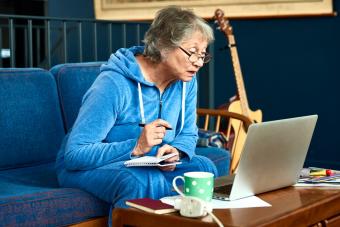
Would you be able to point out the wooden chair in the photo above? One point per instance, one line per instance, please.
(213, 118)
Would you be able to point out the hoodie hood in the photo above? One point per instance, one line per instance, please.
(124, 62)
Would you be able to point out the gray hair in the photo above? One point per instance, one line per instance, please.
(170, 27)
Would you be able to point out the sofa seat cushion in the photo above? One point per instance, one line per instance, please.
(31, 196)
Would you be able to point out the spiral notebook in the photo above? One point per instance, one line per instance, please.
(151, 161)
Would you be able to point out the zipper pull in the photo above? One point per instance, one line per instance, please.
(160, 109)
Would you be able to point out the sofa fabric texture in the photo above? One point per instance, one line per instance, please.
(31, 132)
(31, 196)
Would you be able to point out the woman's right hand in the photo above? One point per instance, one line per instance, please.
(151, 135)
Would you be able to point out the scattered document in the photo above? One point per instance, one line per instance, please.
(252, 201)
(327, 181)
(332, 183)
(316, 185)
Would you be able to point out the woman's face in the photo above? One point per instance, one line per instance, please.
(177, 62)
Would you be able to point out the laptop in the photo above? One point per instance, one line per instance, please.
(273, 156)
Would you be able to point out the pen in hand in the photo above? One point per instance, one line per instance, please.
(143, 125)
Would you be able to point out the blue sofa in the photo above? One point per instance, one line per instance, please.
(37, 109)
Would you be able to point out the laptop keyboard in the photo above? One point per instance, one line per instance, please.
(225, 189)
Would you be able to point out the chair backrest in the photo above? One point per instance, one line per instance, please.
(31, 127)
(73, 80)
(212, 120)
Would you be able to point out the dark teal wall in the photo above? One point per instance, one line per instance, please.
(291, 67)
(71, 9)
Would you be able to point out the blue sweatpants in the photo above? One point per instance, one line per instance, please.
(115, 183)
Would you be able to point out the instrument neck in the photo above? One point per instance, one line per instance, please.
(241, 91)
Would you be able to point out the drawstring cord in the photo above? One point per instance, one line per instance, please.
(141, 105)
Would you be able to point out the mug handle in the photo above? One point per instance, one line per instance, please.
(175, 186)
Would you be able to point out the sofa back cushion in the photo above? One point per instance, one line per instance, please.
(73, 80)
(31, 127)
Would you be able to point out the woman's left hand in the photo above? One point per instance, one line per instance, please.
(167, 149)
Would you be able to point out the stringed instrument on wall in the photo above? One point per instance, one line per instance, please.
(240, 102)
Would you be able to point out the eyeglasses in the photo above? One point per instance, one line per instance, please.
(193, 57)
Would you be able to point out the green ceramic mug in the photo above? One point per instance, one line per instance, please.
(196, 184)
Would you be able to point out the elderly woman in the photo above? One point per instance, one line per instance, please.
(140, 93)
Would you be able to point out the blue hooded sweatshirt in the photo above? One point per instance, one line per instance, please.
(107, 127)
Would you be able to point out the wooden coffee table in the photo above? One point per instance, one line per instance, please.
(291, 206)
